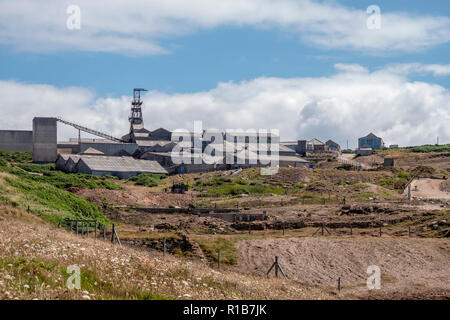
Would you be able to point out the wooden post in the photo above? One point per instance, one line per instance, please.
(104, 232)
(276, 266)
(76, 226)
(95, 231)
(380, 231)
(322, 228)
(283, 228)
(87, 229)
(113, 232)
(218, 259)
(339, 284)
(164, 247)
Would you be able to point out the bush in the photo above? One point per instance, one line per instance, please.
(431, 148)
(16, 157)
(148, 179)
(345, 166)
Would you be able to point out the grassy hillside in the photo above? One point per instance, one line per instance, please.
(34, 257)
(42, 190)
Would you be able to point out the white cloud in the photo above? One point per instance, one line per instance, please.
(344, 106)
(139, 26)
(354, 68)
(411, 68)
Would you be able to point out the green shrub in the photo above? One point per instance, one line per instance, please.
(16, 157)
(431, 148)
(345, 166)
(148, 179)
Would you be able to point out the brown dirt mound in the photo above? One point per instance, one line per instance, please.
(410, 264)
(136, 197)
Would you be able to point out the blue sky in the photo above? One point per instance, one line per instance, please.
(199, 61)
(183, 50)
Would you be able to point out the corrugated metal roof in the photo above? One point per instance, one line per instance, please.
(92, 151)
(64, 156)
(152, 143)
(121, 164)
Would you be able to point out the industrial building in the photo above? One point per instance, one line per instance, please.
(315, 146)
(16, 140)
(98, 165)
(371, 141)
(153, 151)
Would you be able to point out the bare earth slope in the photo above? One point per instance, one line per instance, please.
(410, 266)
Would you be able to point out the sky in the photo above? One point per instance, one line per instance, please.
(312, 69)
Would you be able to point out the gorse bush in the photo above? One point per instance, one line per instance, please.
(431, 148)
(220, 186)
(16, 157)
(148, 179)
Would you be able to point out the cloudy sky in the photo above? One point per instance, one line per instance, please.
(324, 69)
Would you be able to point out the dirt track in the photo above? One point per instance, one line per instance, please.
(428, 189)
(410, 266)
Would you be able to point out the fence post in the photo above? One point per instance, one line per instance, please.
(276, 266)
(218, 259)
(76, 226)
(113, 232)
(164, 247)
(95, 231)
(104, 232)
(87, 229)
(339, 284)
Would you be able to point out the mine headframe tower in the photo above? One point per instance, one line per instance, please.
(136, 108)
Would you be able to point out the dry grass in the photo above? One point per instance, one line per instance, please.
(35, 255)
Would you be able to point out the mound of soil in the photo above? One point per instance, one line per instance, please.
(410, 264)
